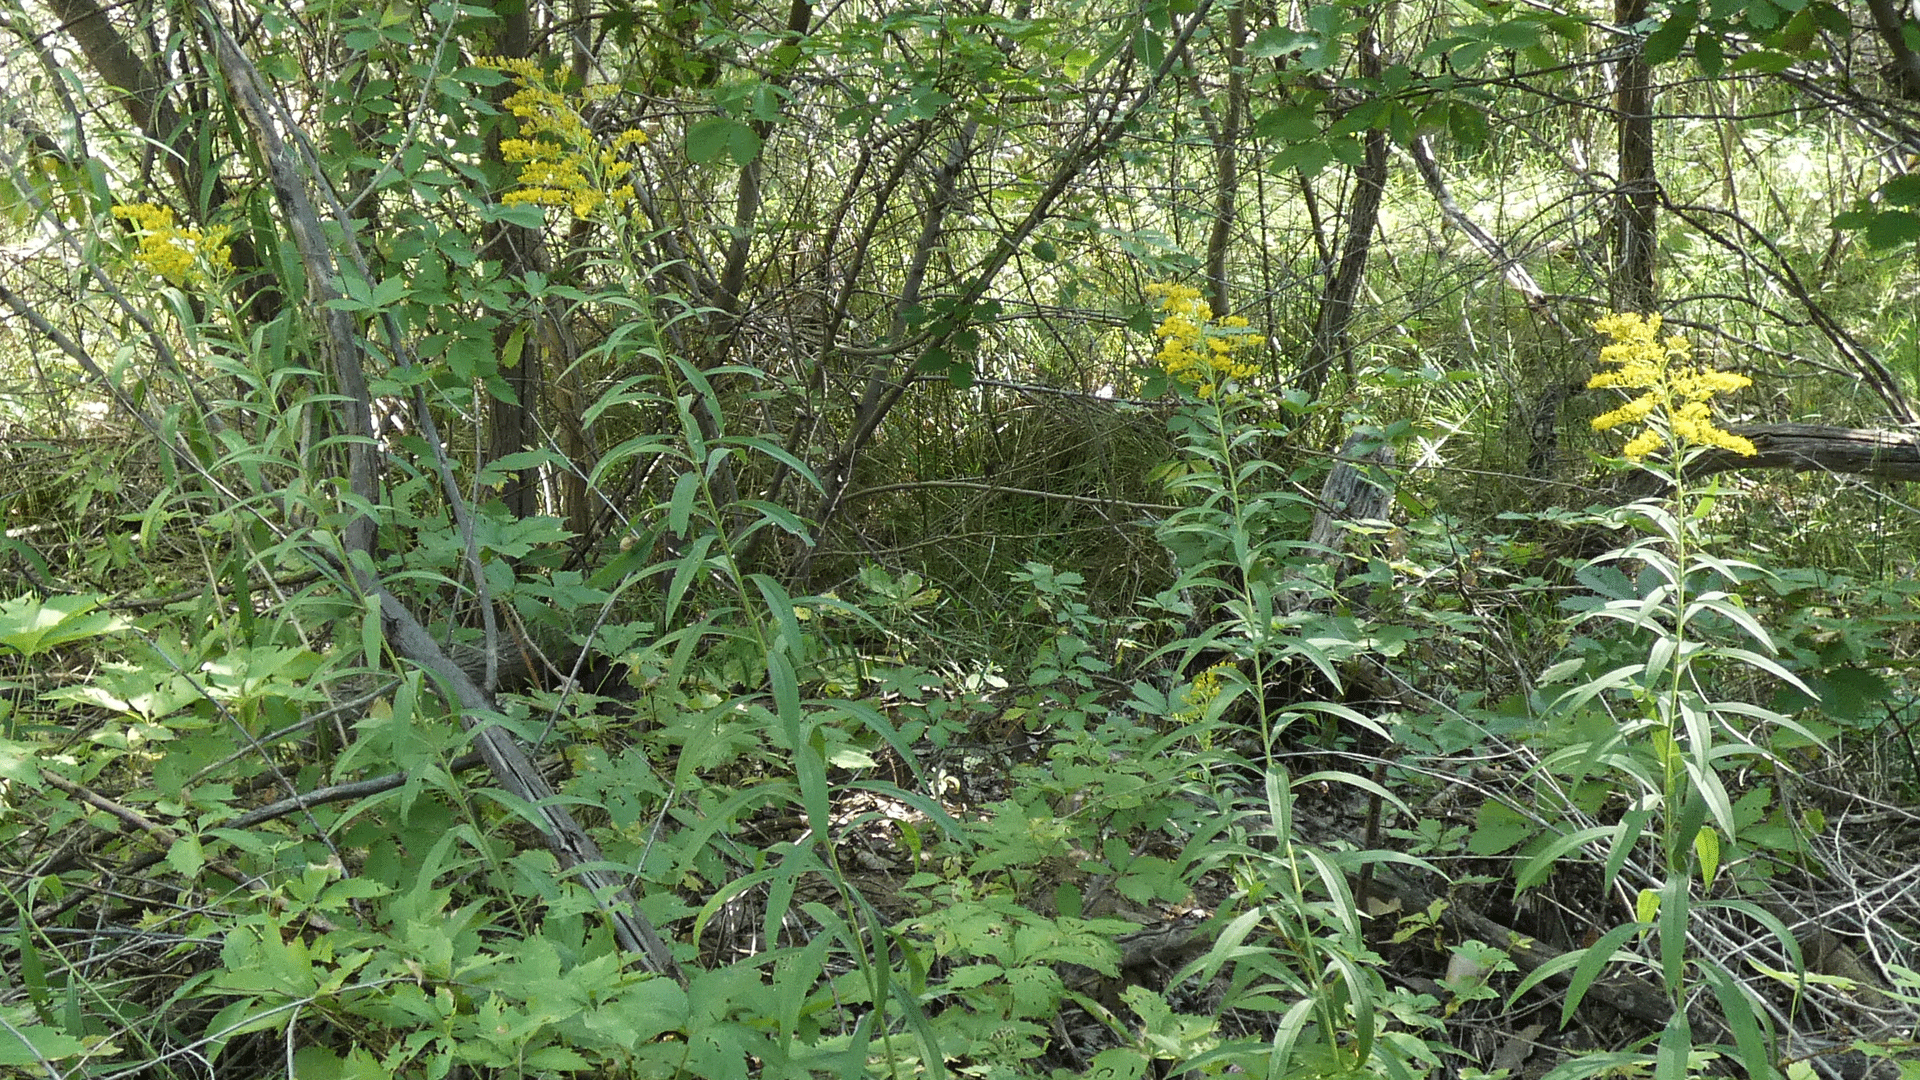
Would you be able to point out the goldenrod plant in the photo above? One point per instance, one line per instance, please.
(1223, 542)
(1675, 737)
(1201, 353)
(1245, 596)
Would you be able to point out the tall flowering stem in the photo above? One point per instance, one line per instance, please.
(1209, 358)
(1675, 404)
(1679, 739)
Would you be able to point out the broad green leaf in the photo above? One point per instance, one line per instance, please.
(1891, 228)
(28, 1045)
(525, 215)
(30, 626)
(186, 856)
(1589, 962)
(1665, 43)
(1515, 34)
(1676, 1047)
(1277, 41)
(1468, 125)
(502, 469)
(1148, 48)
(1308, 157)
(1737, 1007)
(714, 136)
(1706, 848)
(1288, 124)
(1903, 190)
(680, 508)
(1708, 54)
(1675, 907)
(1499, 828)
(780, 607)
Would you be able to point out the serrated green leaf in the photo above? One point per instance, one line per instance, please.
(33, 1044)
(186, 856)
(1499, 828)
(1708, 54)
(1279, 41)
(1903, 190)
(525, 215)
(1308, 157)
(1764, 61)
(29, 625)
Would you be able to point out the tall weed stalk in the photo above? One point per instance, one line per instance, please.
(1254, 600)
(1673, 736)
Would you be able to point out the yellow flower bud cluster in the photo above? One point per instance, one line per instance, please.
(562, 162)
(1678, 391)
(1201, 695)
(1190, 351)
(179, 255)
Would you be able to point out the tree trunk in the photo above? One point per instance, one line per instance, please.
(1639, 190)
(1331, 342)
(510, 420)
(1893, 24)
(1226, 157)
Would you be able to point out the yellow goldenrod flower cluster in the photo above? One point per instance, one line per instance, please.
(1189, 352)
(1678, 391)
(177, 254)
(562, 162)
(1206, 687)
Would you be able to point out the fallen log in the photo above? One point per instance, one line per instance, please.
(1886, 455)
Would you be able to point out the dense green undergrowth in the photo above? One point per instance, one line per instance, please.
(1187, 834)
(1113, 706)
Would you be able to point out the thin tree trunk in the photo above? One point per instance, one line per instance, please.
(1893, 22)
(1639, 191)
(944, 196)
(1226, 156)
(510, 420)
(746, 202)
(1332, 342)
(339, 336)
